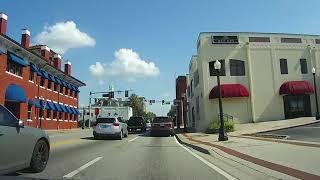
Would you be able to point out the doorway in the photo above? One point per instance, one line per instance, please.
(296, 106)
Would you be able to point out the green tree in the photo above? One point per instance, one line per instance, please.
(137, 105)
(149, 116)
(172, 112)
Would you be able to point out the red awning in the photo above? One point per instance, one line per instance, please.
(229, 90)
(296, 87)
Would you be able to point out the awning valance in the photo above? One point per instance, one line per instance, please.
(15, 93)
(63, 108)
(17, 59)
(58, 108)
(51, 106)
(51, 78)
(44, 74)
(77, 111)
(296, 87)
(35, 69)
(229, 90)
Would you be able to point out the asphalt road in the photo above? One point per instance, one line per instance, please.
(309, 133)
(79, 156)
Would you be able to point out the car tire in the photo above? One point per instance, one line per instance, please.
(121, 135)
(95, 136)
(39, 157)
(126, 135)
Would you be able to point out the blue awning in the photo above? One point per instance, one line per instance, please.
(77, 111)
(69, 110)
(73, 110)
(58, 107)
(37, 103)
(15, 93)
(31, 102)
(17, 59)
(58, 80)
(63, 83)
(44, 74)
(69, 86)
(51, 106)
(63, 108)
(35, 69)
(51, 78)
(74, 88)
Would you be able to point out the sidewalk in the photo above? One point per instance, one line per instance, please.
(64, 131)
(277, 160)
(251, 128)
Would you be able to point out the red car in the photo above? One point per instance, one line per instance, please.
(162, 126)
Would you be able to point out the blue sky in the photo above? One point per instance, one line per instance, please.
(163, 32)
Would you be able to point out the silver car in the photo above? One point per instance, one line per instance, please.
(21, 146)
(110, 126)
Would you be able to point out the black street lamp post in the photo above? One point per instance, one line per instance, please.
(316, 94)
(222, 134)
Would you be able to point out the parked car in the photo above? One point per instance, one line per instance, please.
(162, 126)
(148, 125)
(110, 126)
(21, 146)
(137, 123)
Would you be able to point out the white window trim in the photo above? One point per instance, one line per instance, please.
(49, 90)
(54, 119)
(55, 92)
(65, 120)
(31, 82)
(29, 120)
(54, 101)
(42, 87)
(75, 121)
(60, 93)
(14, 75)
(42, 118)
(60, 120)
(48, 119)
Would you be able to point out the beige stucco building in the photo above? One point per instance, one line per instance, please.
(266, 76)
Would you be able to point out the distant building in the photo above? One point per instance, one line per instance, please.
(264, 76)
(33, 85)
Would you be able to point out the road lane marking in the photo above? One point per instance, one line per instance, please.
(133, 139)
(215, 168)
(70, 175)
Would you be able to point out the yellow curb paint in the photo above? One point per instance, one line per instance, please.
(66, 142)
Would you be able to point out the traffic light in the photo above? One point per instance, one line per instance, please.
(105, 95)
(126, 94)
(163, 102)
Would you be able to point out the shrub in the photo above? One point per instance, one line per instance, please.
(214, 126)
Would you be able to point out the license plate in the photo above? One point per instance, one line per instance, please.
(138, 129)
(104, 126)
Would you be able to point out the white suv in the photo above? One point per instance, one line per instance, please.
(110, 126)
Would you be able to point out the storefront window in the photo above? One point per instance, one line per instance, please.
(48, 114)
(14, 68)
(49, 84)
(60, 115)
(29, 111)
(31, 76)
(42, 82)
(55, 114)
(61, 89)
(55, 87)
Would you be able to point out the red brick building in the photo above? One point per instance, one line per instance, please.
(33, 86)
(181, 88)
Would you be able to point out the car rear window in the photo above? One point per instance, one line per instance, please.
(106, 120)
(161, 119)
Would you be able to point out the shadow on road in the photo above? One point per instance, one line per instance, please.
(102, 138)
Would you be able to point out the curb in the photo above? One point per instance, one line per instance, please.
(266, 131)
(197, 148)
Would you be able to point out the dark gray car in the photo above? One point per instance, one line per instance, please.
(21, 146)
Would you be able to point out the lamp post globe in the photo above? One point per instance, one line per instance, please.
(217, 65)
(315, 91)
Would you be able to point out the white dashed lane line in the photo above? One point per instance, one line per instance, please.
(73, 173)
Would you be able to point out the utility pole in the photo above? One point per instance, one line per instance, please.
(89, 110)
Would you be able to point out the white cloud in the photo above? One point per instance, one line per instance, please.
(127, 64)
(64, 36)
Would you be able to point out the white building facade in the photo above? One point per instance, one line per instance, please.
(264, 76)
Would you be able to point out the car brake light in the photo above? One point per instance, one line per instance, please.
(168, 125)
(116, 124)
